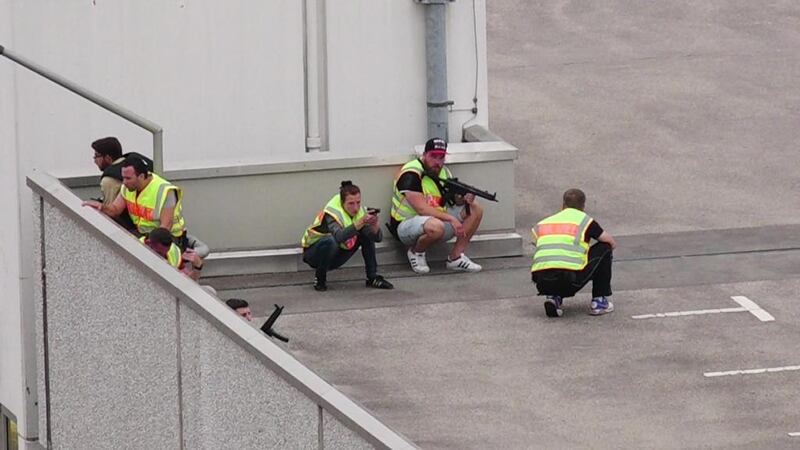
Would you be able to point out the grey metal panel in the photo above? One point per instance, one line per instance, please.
(111, 345)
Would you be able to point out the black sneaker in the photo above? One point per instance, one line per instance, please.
(379, 283)
(320, 281)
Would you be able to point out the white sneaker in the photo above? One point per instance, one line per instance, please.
(418, 262)
(463, 264)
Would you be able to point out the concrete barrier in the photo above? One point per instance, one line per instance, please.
(253, 216)
(134, 354)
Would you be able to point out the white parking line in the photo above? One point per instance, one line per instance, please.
(689, 313)
(794, 434)
(753, 308)
(751, 371)
(747, 305)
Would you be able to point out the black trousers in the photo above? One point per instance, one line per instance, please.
(326, 255)
(566, 283)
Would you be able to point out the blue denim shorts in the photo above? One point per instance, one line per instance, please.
(409, 230)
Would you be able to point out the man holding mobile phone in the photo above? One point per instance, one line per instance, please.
(338, 231)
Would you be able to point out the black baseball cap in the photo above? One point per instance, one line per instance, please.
(436, 145)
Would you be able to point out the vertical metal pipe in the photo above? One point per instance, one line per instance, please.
(315, 73)
(312, 87)
(158, 151)
(436, 59)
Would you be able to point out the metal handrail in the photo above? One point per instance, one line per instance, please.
(130, 116)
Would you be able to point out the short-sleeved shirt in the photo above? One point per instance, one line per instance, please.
(594, 231)
(408, 182)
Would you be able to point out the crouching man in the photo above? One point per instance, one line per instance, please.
(564, 261)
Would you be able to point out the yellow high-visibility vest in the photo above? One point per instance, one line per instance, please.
(173, 254)
(560, 241)
(401, 209)
(145, 207)
(334, 209)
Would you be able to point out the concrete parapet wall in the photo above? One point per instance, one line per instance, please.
(253, 216)
(270, 205)
(132, 354)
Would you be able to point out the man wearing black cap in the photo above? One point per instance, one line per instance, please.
(108, 158)
(420, 217)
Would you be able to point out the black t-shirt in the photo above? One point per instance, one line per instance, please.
(408, 182)
(594, 231)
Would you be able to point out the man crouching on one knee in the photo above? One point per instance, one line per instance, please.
(420, 217)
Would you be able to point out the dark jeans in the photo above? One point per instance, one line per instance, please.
(566, 283)
(325, 255)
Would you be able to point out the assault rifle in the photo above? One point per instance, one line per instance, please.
(267, 327)
(453, 187)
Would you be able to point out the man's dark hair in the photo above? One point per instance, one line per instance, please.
(348, 188)
(236, 303)
(574, 198)
(161, 235)
(108, 146)
(139, 165)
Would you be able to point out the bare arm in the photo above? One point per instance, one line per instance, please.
(166, 218)
(114, 209)
(608, 239)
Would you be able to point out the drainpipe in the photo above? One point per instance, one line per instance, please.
(436, 59)
(315, 65)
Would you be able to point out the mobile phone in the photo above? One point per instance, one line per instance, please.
(373, 210)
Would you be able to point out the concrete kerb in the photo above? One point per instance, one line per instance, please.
(188, 292)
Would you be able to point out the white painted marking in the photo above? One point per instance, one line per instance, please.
(751, 371)
(794, 434)
(753, 308)
(690, 313)
(747, 305)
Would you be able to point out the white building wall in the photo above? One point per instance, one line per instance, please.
(226, 80)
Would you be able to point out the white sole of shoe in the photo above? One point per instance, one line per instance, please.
(600, 312)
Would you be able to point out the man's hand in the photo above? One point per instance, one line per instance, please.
(192, 257)
(458, 227)
(93, 204)
(469, 198)
(359, 223)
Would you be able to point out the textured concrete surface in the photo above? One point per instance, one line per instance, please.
(679, 120)
(470, 361)
(232, 401)
(101, 370)
(672, 116)
(336, 436)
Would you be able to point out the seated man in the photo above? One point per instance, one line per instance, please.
(564, 262)
(241, 307)
(160, 241)
(338, 231)
(420, 217)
